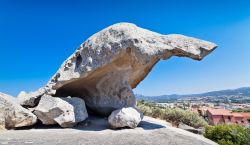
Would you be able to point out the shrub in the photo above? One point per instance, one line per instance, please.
(146, 110)
(228, 134)
(173, 115)
(156, 112)
(178, 115)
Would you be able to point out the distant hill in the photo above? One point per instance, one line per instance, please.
(244, 91)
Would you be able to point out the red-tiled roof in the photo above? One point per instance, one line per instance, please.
(236, 114)
(219, 112)
(245, 114)
(228, 113)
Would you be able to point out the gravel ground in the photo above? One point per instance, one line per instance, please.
(95, 131)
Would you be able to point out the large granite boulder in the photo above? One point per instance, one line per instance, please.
(66, 112)
(108, 65)
(30, 99)
(125, 117)
(12, 115)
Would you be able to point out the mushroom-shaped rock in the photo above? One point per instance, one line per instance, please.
(12, 115)
(66, 112)
(125, 117)
(108, 65)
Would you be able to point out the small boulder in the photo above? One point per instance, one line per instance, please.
(30, 99)
(13, 115)
(66, 112)
(125, 117)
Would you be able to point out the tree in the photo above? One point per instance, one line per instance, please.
(225, 134)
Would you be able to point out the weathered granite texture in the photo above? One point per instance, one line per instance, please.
(12, 115)
(125, 117)
(66, 112)
(108, 65)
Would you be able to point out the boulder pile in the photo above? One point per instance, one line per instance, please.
(13, 115)
(66, 112)
(101, 73)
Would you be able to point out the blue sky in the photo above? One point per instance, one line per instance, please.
(37, 36)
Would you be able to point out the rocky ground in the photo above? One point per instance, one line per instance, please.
(95, 131)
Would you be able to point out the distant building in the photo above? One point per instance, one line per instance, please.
(193, 110)
(203, 110)
(246, 115)
(211, 105)
(220, 116)
(195, 106)
(169, 105)
(239, 119)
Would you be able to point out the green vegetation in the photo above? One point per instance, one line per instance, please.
(240, 110)
(228, 134)
(222, 134)
(240, 100)
(173, 115)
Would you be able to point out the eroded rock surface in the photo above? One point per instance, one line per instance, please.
(66, 112)
(125, 117)
(30, 99)
(108, 65)
(13, 115)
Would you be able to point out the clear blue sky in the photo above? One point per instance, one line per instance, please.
(36, 36)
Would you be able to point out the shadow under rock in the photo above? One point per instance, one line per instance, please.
(149, 125)
(39, 125)
(96, 123)
(93, 123)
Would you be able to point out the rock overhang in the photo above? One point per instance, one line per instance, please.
(108, 65)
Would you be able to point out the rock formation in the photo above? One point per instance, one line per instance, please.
(102, 72)
(107, 66)
(67, 112)
(30, 99)
(125, 117)
(13, 115)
